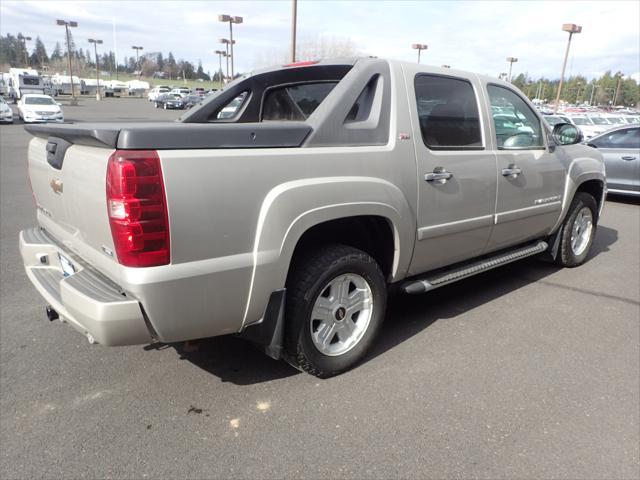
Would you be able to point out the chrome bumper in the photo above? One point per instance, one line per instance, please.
(86, 300)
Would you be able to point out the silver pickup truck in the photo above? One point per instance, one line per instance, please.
(284, 207)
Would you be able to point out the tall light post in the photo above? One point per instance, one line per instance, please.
(511, 61)
(231, 19)
(95, 46)
(24, 41)
(419, 47)
(615, 97)
(226, 43)
(294, 21)
(68, 24)
(593, 89)
(137, 49)
(220, 53)
(571, 28)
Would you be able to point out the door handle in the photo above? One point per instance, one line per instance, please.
(511, 171)
(439, 175)
(628, 158)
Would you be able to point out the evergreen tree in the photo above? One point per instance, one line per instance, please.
(40, 53)
(57, 52)
(160, 61)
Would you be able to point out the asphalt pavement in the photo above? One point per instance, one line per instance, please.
(528, 371)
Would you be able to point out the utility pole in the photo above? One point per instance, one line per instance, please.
(511, 61)
(95, 46)
(294, 20)
(74, 100)
(571, 28)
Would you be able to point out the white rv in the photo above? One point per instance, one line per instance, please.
(62, 84)
(23, 81)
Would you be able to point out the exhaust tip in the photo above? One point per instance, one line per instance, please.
(52, 314)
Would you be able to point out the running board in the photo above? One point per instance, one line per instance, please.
(468, 270)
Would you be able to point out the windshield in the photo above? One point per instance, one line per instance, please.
(616, 120)
(580, 121)
(39, 101)
(600, 121)
(554, 120)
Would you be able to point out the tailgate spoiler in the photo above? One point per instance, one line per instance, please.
(177, 136)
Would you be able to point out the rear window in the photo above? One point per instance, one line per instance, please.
(294, 102)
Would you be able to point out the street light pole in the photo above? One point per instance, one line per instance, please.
(511, 61)
(294, 21)
(137, 49)
(615, 97)
(571, 28)
(95, 46)
(68, 24)
(419, 47)
(226, 43)
(231, 20)
(24, 43)
(220, 54)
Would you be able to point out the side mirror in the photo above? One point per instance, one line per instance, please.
(59, 104)
(566, 134)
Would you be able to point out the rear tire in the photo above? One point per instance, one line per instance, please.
(336, 301)
(578, 231)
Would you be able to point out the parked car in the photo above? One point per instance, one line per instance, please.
(620, 148)
(183, 92)
(192, 100)
(632, 118)
(170, 101)
(154, 93)
(287, 221)
(39, 108)
(587, 126)
(6, 114)
(553, 120)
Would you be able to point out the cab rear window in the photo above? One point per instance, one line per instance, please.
(294, 102)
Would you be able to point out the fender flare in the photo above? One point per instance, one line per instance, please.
(290, 209)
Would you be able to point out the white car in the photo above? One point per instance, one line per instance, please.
(155, 92)
(6, 114)
(39, 108)
(183, 92)
(587, 126)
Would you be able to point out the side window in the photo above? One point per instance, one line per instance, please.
(231, 109)
(294, 102)
(516, 124)
(626, 138)
(448, 113)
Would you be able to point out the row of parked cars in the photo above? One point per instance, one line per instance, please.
(177, 98)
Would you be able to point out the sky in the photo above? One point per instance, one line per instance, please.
(475, 35)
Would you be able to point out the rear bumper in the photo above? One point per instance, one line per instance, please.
(86, 300)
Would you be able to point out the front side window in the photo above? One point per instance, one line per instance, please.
(516, 124)
(625, 138)
(294, 102)
(448, 113)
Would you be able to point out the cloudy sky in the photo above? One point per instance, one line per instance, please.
(474, 35)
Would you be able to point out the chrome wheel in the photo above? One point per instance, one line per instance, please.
(581, 231)
(341, 314)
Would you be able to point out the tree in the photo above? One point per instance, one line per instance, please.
(57, 52)
(40, 53)
(160, 62)
(200, 72)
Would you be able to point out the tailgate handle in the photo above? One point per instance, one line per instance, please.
(56, 149)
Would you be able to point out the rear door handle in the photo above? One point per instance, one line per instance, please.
(628, 158)
(511, 171)
(439, 175)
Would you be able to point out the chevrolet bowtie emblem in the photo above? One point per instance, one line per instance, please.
(56, 186)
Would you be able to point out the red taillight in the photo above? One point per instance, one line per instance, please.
(137, 208)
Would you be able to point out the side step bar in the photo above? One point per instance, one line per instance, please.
(444, 277)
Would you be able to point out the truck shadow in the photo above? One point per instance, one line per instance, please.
(237, 361)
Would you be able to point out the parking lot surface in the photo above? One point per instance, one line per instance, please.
(528, 371)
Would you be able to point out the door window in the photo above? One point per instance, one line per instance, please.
(448, 113)
(516, 124)
(625, 138)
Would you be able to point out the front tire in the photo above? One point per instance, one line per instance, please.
(578, 231)
(336, 303)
